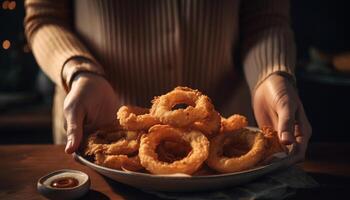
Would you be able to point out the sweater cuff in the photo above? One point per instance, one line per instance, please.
(269, 52)
(75, 65)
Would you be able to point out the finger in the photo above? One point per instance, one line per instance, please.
(303, 122)
(74, 130)
(298, 150)
(303, 132)
(286, 119)
(267, 121)
(263, 118)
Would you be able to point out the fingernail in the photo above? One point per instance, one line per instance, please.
(68, 145)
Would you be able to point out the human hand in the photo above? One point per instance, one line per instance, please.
(277, 104)
(90, 104)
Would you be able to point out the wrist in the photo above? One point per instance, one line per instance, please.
(83, 77)
(288, 78)
(77, 67)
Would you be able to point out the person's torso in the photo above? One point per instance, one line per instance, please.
(148, 47)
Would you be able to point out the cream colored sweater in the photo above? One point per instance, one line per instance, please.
(145, 48)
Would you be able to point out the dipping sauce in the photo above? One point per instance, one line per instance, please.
(64, 182)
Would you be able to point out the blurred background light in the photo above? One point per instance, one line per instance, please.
(6, 44)
(12, 5)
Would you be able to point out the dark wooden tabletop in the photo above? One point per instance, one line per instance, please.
(22, 165)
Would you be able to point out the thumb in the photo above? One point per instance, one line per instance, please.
(286, 119)
(74, 131)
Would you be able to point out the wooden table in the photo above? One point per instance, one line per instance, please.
(22, 165)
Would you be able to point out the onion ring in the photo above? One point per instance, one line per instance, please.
(232, 123)
(188, 165)
(199, 107)
(273, 143)
(210, 125)
(135, 118)
(255, 144)
(113, 142)
(118, 161)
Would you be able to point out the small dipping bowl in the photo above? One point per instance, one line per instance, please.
(82, 187)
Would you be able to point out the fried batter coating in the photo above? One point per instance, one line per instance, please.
(199, 107)
(232, 123)
(188, 165)
(113, 142)
(135, 118)
(253, 142)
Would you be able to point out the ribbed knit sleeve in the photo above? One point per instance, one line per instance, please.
(48, 30)
(267, 40)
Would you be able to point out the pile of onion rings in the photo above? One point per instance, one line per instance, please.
(181, 133)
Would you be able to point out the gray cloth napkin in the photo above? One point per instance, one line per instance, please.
(277, 185)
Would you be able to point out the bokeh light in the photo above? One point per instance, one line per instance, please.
(6, 44)
(5, 5)
(12, 5)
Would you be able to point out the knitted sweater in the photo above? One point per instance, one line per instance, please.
(145, 48)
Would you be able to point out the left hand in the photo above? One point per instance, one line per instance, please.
(90, 105)
(277, 104)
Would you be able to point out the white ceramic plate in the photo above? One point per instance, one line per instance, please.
(182, 182)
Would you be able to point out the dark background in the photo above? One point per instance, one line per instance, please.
(320, 26)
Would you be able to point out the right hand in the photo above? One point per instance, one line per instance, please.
(90, 104)
(277, 104)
